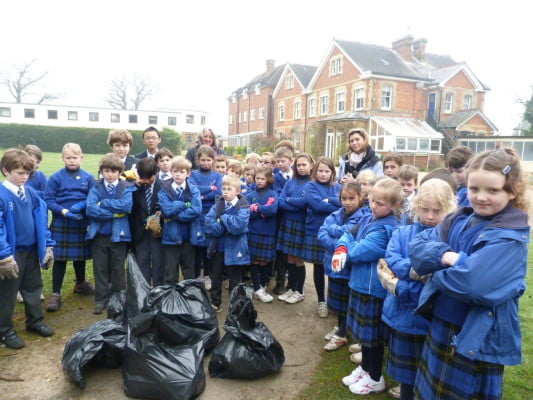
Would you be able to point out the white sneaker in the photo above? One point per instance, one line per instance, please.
(207, 283)
(286, 295)
(355, 348)
(367, 385)
(356, 358)
(322, 310)
(262, 295)
(296, 297)
(335, 342)
(354, 377)
(332, 332)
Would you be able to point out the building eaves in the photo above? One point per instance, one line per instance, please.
(345, 117)
(461, 117)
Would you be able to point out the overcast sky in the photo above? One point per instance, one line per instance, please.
(197, 53)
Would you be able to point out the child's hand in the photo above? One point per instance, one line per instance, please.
(386, 277)
(339, 259)
(48, 259)
(9, 268)
(253, 207)
(213, 188)
(269, 201)
(449, 258)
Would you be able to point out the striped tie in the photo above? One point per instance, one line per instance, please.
(110, 189)
(179, 191)
(148, 192)
(164, 176)
(21, 195)
(228, 206)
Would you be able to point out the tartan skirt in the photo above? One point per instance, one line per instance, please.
(70, 239)
(291, 236)
(261, 247)
(445, 374)
(364, 320)
(312, 251)
(404, 355)
(338, 295)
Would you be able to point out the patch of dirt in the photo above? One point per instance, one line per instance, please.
(36, 373)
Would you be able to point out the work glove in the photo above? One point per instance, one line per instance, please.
(269, 201)
(9, 268)
(386, 277)
(73, 216)
(153, 225)
(48, 259)
(415, 277)
(130, 174)
(77, 208)
(339, 259)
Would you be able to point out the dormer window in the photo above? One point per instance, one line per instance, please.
(467, 102)
(244, 94)
(335, 66)
(234, 98)
(257, 89)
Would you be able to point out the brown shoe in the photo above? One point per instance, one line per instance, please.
(83, 288)
(54, 302)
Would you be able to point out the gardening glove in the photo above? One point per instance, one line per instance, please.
(77, 208)
(9, 268)
(48, 259)
(130, 174)
(415, 277)
(339, 259)
(116, 215)
(253, 207)
(269, 201)
(386, 277)
(153, 225)
(73, 216)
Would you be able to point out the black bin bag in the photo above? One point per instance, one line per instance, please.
(183, 314)
(248, 350)
(156, 370)
(116, 308)
(100, 345)
(137, 289)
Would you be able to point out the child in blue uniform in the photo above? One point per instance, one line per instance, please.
(456, 161)
(180, 205)
(322, 197)
(434, 200)
(262, 231)
(25, 245)
(108, 204)
(226, 224)
(37, 180)
(477, 258)
(66, 197)
(292, 228)
(334, 226)
(209, 184)
(360, 251)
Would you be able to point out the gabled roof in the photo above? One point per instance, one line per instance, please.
(442, 75)
(438, 61)
(302, 73)
(460, 118)
(265, 79)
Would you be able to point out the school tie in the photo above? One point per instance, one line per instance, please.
(228, 205)
(179, 191)
(286, 177)
(148, 192)
(164, 176)
(110, 188)
(21, 195)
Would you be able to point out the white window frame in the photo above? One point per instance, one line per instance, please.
(172, 121)
(359, 97)
(281, 112)
(311, 107)
(297, 109)
(52, 114)
(335, 66)
(252, 114)
(245, 116)
(324, 104)
(152, 119)
(257, 89)
(289, 82)
(29, 113)
(115, 117)
(467, 102)
(5, 112)
(448, 103)
(340, 101)
(386, 97)
(261, 113)
(244, 94)
(72, 115)
(230, 119)
(133, 118)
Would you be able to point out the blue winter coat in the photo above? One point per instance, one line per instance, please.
(232, 226)
(291, 200)
(99, 209)
(205, 181)
(264, 220)
(398, 311)
(317, 209)
(365, 250)
(489, 279)
(462, 197)
(175, 212)
(331, 231)
(8, 240)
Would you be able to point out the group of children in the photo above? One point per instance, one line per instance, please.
(404, 269)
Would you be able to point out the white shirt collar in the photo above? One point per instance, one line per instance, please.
(234, 201)
(175, 186)
(13, 188)
(115, 183)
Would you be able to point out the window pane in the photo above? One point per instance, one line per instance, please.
(424, 145)
(5, 112)
(381, 141)
(52, 114)
(400, 143)
(435, 145)
(411, 144)
(152, 120)
(93, 116)
(29, 113)
(172, 120)
(519, 147)
(472, 146)
(73, 115)
(132, 118)
(480, 147)
(490, 145)
(202, 119)
(189, 119)
(115, 117)
(528, 151)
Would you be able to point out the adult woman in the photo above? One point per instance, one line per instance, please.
(360, 156)
(207, 137)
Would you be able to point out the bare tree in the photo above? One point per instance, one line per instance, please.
(23, 80)
(119, 90)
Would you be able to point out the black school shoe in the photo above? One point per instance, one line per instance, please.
(41, 329)
(12, 340)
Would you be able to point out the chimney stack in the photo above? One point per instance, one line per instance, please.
(404, 47)
(419, 49)
(270, 64)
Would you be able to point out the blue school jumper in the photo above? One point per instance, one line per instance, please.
(262, 226)
(462, 197)
(37, 181)
(279, 182)
(474, 301)
(317, 210)
(64, 189)
(293, 211)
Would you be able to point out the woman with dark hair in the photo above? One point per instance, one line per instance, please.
(360, 156)
(207, 137)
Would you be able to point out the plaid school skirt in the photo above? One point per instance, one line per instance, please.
(338, 295)
(261, 247)
(312, 252)
(291, 236)
(364, 320)
(70, 239)
(404, 355)
(445, 374)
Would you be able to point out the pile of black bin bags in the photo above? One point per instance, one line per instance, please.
(160, 336)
